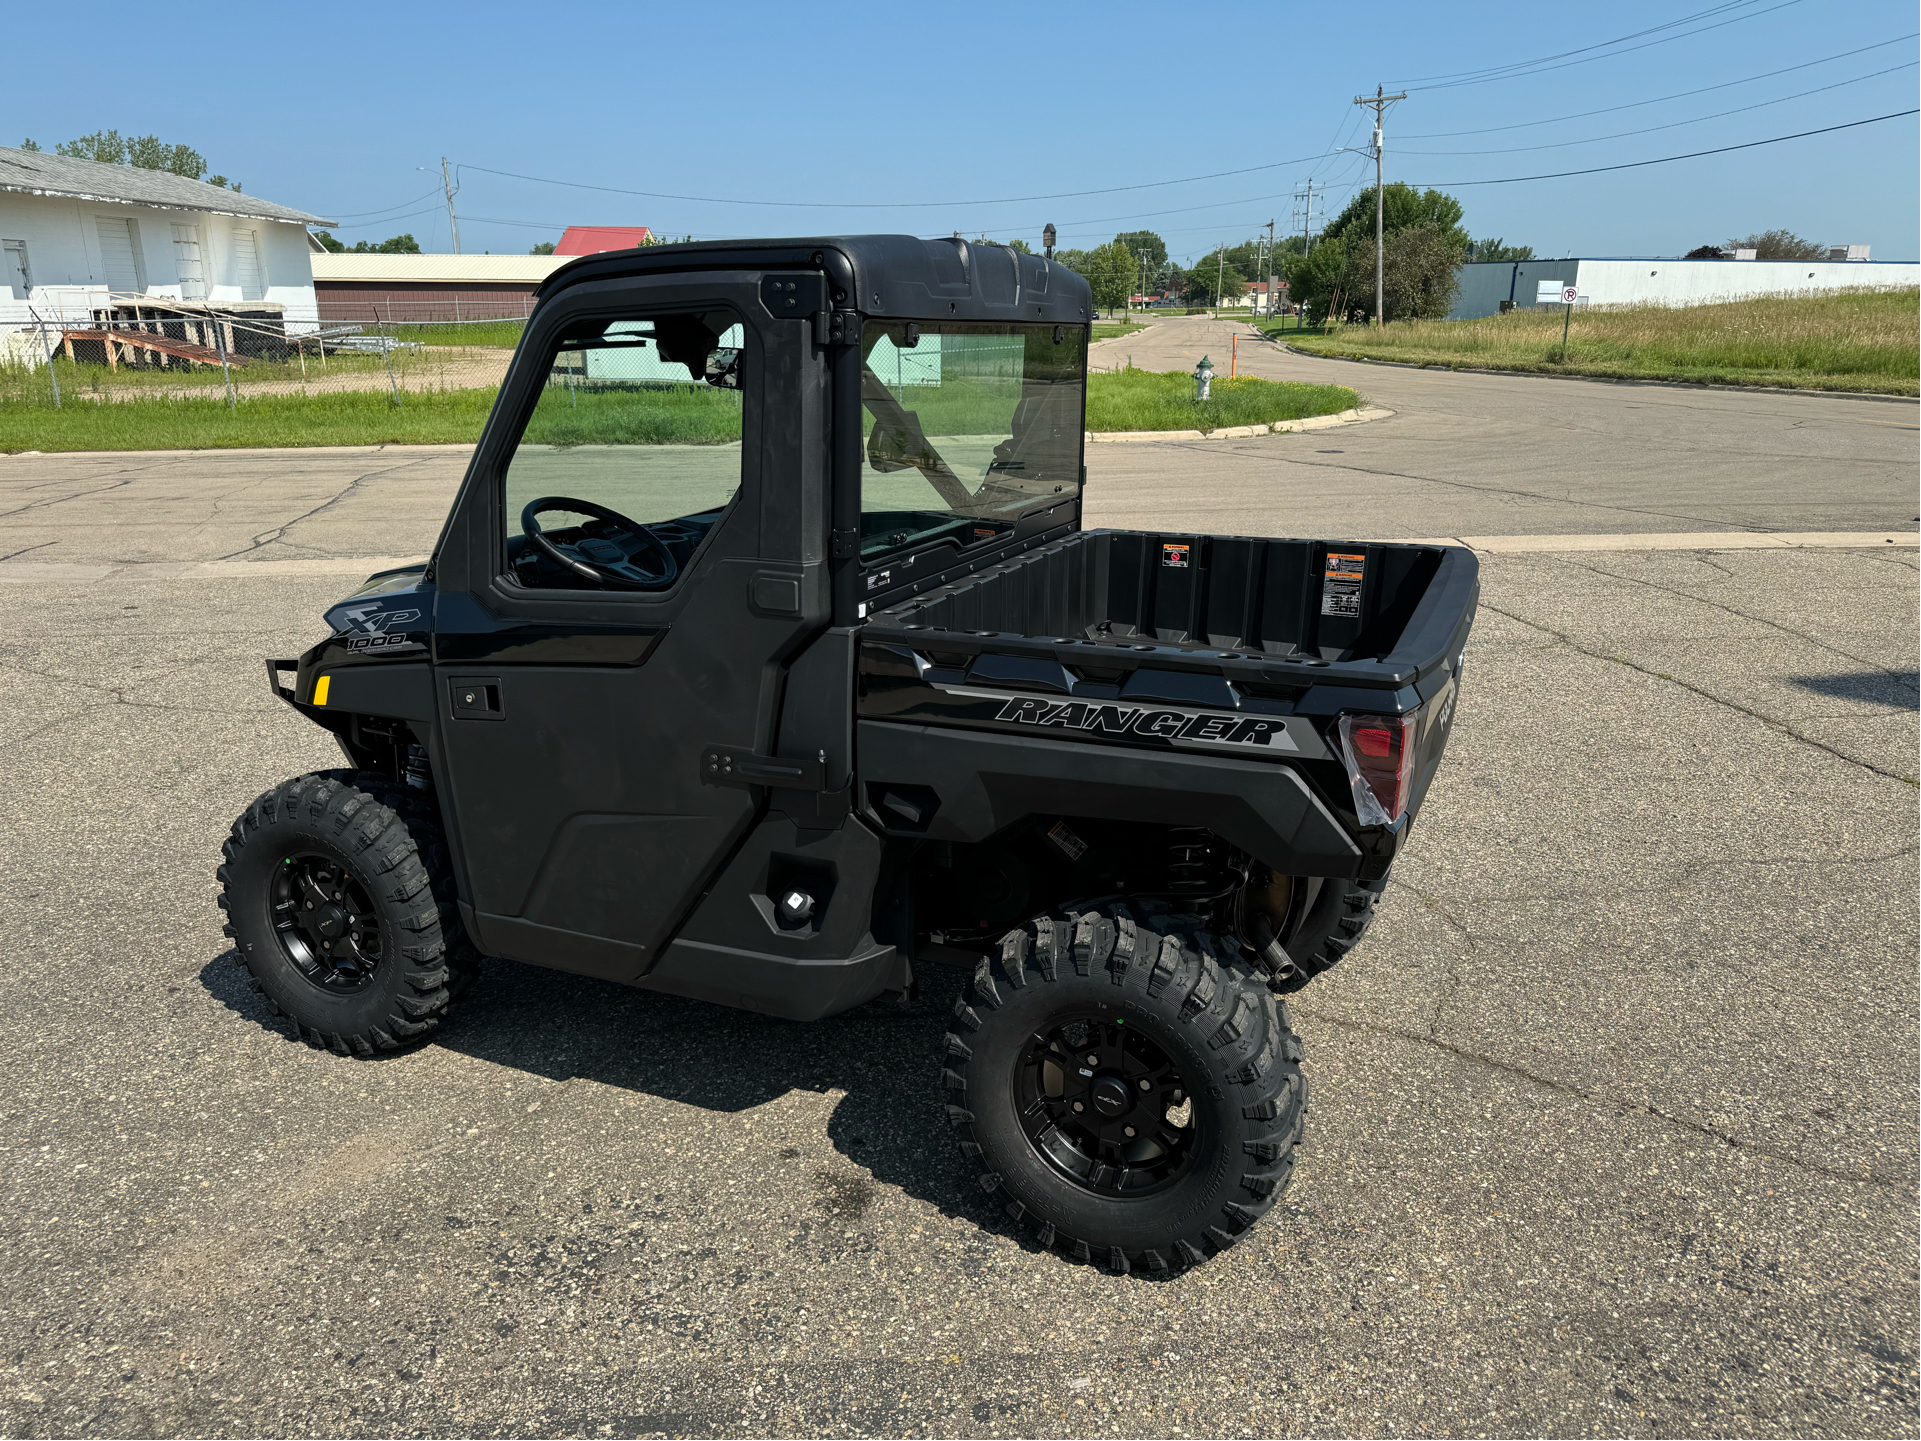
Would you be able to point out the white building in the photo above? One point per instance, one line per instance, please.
(1487, 284)
(74, 233)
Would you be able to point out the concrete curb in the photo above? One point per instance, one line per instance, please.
(1245, 432)
(30, 572)
(1603, 379)
(1655, 540)
(363, 565)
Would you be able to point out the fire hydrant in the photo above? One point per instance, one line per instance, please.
(1203, 378)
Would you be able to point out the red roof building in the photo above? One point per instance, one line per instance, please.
(592, 239)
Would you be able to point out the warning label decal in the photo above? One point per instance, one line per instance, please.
(1176, 556)
(1341, 584)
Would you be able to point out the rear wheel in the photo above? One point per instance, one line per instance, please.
(339, 900)
(1129, 1087)
(1322, 921)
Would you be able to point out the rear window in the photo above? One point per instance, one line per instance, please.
(966, 428)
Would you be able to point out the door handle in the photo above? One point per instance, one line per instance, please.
(476, 697)
(735, 766)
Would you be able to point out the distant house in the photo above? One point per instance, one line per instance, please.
(374, 288)
(1255, 296)
(79, 238)
(593, 239)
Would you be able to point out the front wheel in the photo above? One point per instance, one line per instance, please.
(1130, 1087)
(339, 900)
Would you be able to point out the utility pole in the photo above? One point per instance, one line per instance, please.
(1220, 273)
(1378, 102)
(446, 180)
(1270, 270)
(1304, 207)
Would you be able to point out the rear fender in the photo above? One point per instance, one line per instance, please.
(956, 785)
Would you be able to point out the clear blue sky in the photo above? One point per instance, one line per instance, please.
(332, 108)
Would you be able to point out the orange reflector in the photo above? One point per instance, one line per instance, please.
(320, 689)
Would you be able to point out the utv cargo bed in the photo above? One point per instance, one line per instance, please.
(1251, 624)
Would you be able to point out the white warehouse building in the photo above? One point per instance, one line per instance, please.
(1486, 285)
(78, 237)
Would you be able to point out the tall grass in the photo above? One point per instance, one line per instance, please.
(1862, 340)
(494, 334)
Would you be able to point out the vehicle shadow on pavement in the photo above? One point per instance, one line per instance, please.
(884, 1057)
(1900, 689)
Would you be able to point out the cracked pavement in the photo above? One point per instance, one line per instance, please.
(1613, 1127)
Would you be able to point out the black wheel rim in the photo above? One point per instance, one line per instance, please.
(325, 921)
(1103, 1103)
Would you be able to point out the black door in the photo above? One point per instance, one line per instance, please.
(626, 572)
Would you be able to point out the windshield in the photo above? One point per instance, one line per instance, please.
(966, 427)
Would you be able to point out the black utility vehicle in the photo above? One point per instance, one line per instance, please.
(763, 660)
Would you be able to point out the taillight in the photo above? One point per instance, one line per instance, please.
(1379, 751)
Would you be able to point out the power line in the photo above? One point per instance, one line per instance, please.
(1678, 95)
(1598, 45)
(1536, 68)
(1674, 124)
(1349, 188)
(1691, 155)
(891, 204)
(391, 219)
(359, 214)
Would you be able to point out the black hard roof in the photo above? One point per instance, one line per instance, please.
(895, 275)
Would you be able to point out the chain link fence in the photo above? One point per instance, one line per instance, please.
(136, 348)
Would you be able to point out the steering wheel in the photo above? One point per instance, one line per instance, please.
(609, 561)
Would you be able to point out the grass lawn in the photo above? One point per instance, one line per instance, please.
(1123, 400)
(1152, 400)
(1859, 340)
(1107, 330)
(495, 334)
(355, 417)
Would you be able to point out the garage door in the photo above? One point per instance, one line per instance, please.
(246, 264)
(186, 256)
(119, 254)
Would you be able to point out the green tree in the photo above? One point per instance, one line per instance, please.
(1420, 273)
(1215, 280)
(1074, 260)
(397, 245)
(143, 152)
(1113, 273)
(546, 247)
(1145, 242)
(1316, 279)
(149, 152)
(1401, 206)
(29, 144)
(1779, 245)
(1498, 249)
(104, 146)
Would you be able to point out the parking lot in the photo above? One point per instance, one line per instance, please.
(1613, 1127)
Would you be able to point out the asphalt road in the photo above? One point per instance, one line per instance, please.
(1613, 1126)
